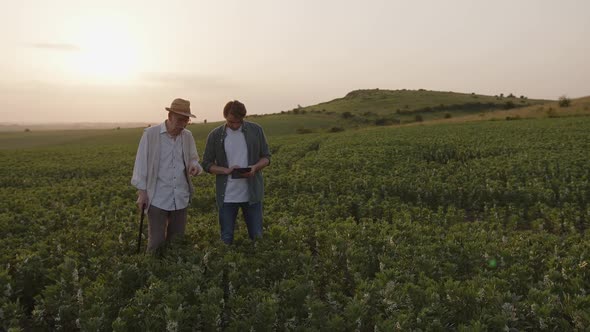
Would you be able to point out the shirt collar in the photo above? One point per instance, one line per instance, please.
(163, 127)
(242, 128)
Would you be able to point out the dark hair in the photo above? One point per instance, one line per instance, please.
(235, 108)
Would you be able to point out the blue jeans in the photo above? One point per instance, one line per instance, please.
(252, 215)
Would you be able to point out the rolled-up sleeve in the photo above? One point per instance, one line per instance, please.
(209, 154)
(264, 150)
(139, 178)
(193, 153)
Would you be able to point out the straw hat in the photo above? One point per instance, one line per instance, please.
(181, 106)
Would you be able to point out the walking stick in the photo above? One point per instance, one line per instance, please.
(140, 229)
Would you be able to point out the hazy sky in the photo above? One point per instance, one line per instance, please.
(119, 60)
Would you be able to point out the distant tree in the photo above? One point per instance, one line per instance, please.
(510, 95)
(418, 118)
(501, 95)
(448, 115)
(295, 111)
(205, 121)
(118, 128)
(27, 130)
(564, 101)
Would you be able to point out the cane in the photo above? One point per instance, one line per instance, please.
(140, 229)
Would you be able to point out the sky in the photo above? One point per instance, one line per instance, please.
(125, 60)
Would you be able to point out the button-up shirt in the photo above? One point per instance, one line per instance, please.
(215, 154)
(172, 188)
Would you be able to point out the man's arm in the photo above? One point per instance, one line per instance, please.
(220, 170)
(194, 167)
(262, 163)
(264, 156)
(139, 178)
(209, 154)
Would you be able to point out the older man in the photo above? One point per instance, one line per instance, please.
(166, 158)
(236, 152)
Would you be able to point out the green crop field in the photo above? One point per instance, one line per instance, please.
(468, 226)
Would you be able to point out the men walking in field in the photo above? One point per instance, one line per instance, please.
(166, 158)
(242, 145)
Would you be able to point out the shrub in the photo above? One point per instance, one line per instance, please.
(303, 131)
(448, 115)
(552, 113)
(564, 101)
(508, 105)
(347, 115)
(386, 122)
(335, 129)
(418, 118)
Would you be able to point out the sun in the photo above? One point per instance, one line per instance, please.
(108, 52)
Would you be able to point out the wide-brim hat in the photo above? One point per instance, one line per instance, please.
(181, 106)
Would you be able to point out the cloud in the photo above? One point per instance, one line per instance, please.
(63, 47)
(189, 80)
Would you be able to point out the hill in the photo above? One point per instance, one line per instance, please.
(359, 108)
(403, 106)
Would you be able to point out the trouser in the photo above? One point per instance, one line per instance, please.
(252, 215)
(164, 225)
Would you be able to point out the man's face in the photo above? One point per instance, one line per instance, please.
(178, 122)
(233, 122)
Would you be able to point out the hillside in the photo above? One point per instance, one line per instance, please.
(359, 108)
(403, 106)
(577, 107)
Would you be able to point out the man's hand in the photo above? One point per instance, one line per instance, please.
(195, 170)
(142, 199)
(252, 172)
(230, 170)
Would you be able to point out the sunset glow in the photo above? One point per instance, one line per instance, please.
(112, 55)
(108, 53)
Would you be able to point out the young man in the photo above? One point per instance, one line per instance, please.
(165, 160)
(236, 152)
